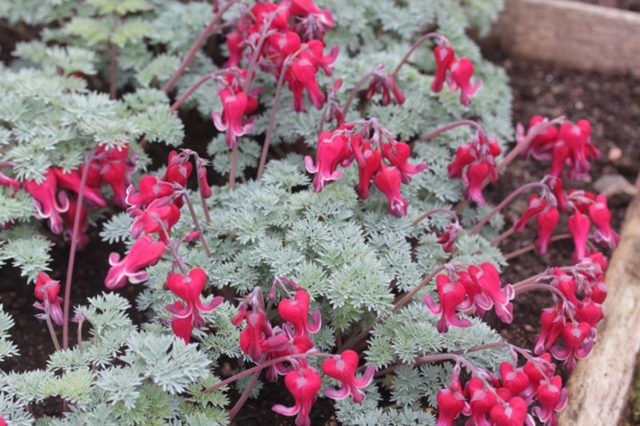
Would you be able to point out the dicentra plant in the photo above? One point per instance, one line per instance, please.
(352, 253)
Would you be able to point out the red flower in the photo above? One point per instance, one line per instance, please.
(382, 83)
(490, 293)
(464, 156)
(481, 400)
(578, 342)
(144, 252)
(189, 289)
(601, 217)
(45, 201)
(332, 150)
(312, 21)
(151, 188)
(159, 216)
(509, 413)
(178, 169)
(235, 106)
(460, 75)
(297, 313)
(115, 170)
(551, 322)
(388, 180)
(444, 56)
(343, 368)
(552, 397)
(182, 326)
(398, 153)
(303, 384)
(547, 221)
(516, 380)
(72, 181)
(369, 163)
(453, 297)
(451, 401)
(579, 227)
(46, 292)
(536, 205)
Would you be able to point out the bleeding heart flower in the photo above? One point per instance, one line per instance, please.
(144, 252)
(304, 385)
(343, 368)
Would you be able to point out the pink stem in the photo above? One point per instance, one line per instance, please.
(532, 246)
(233, 168)
(72, 253)
(451, 126)
(113, 63)
(196, 46)
(196, 223)
(245, 395)
(429, 213)
(417, 44)
(190, 91)
(504, 202)
(52, 332)
(272, 118)
(355, 90)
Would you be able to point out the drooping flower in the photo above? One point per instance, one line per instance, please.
(601, 217)
(461, 72)
(296, 312)
(453, 298)
(332, 150)
(398, 155)
(144, 252)
(579, 225)
(47, 204)
(388, 180)
(547, 221)
(304, 384)
(444, 56)
(552, 398)
(451, 401)
(189, 289)
(385, 84)
(46, 292)
(232, 120)
(343, 368)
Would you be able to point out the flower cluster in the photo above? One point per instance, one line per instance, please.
(512, 399)
(380, 158)
(56, 196)
(474, 291)
(456, 72)
(286, 40)
(262, 342)
(46, 292)
(568, 327)
(475, 163)
(569, 145)
(585, 208)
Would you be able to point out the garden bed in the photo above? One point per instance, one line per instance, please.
(607, 100)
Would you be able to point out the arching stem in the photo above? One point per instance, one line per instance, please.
(196, 223)
(451, 126)
(245, 395)
(355, 90)
(532, 246)
(425, 37)
(209, 29)
(429, 213)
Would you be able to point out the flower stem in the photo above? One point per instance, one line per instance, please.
(80, 334)
(52, 332)
(429, 213)
(272, 118)
(451, 126)
(532, 246)
(196, 223)
(113, 62)
(233, 168)
(245, 395)
(72, 252)
(504, 202)
(263, 365)
(355, 90)
(190, 91)
(425, 37)
(196, 46)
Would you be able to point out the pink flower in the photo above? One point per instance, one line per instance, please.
(178, 169)
(547, 221)
(578, 341)
(343, 368)
(182, 326)
(46, 292)
(601, 217)
(115, 170)
(189, 289)
(332, 150)
(552, 397)
(512, 412)
(388, 180)
(476, 174)
(579, 225)
(551, 322)
(451, 401)
(303, 383)
(45, 201)
(449, 237)
(369, 163)
(536, 205)
(516, 380)
(460, 75)
(382, 83)
(453, 297)
(489, 291)
(235, 106)
(444, 56)
(398, 155)
(158, 217)
(464, 156)
(296, 312)
(151, 188)
(72, 181)
(312, 21)
(481, 401)
(144, 252)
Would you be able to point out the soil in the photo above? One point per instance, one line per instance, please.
(611, 103)
(633, 5)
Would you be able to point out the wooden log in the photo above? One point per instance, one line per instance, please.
(571, 34)
(599, 386)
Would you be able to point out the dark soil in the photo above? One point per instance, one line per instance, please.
(633, 5)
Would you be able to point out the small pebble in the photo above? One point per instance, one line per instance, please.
(615, 154)
(528, 328)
